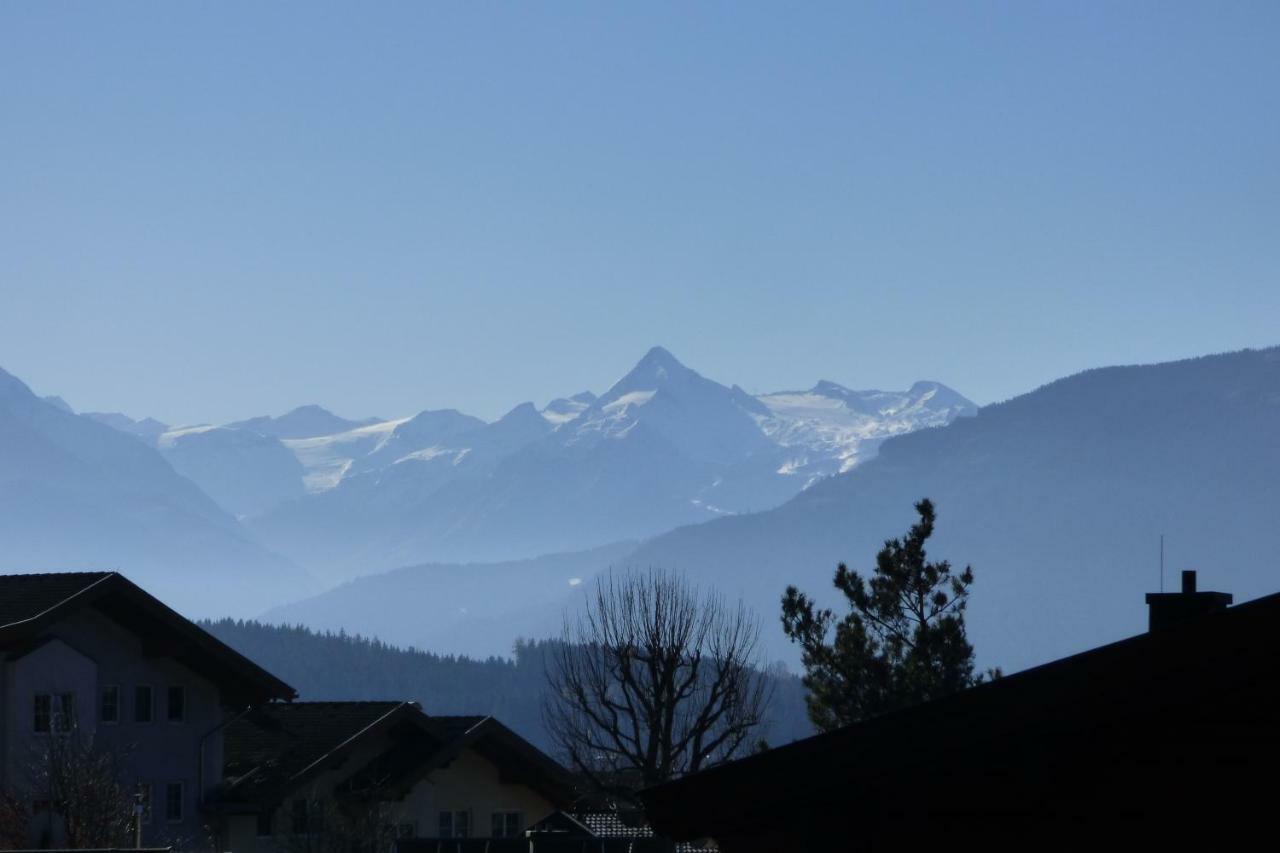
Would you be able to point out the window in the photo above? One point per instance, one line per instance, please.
(53, 712)
(264, 824)
(298, 823)
(177, 704)
(407, 830)
(109, 709)
(506, 825)
(64, 713)
(42, 721)
(456, 824)
(144, 800)
(173, 802)
(143, 704)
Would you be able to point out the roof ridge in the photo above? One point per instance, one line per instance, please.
(298, 702)
(102, 577)
(348, 740)
(58, 574)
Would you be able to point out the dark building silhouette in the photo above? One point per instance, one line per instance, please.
(1167, 740)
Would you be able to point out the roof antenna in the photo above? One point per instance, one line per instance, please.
(1162, 562)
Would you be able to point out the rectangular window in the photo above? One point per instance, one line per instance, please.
(144, 800)
(298, 814)
(506, 825)
(407, 830)
(42, 721)
(455, 824)
(64, 713)
(173, 802)
(143, 704)
(264, 824)
(109, 709)
(177, 704)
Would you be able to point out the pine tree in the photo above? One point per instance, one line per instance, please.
(902, 642)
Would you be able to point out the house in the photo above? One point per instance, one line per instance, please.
(1167, 740)
(91, 652)
(329, 774)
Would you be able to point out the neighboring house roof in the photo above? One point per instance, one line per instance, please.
(604, 824)
(277, 749)
(269, 751)
(30, 604)
(1166, 732)
(607, 824)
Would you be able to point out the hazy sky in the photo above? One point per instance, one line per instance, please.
(215, 210)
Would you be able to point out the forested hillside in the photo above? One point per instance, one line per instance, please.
(344, 666)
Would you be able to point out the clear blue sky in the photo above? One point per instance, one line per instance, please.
(215, 210)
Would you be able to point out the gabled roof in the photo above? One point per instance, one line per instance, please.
(1177, 721)
(30, 604)
(272, 749)
(277, 749)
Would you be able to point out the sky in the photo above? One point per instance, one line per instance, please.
(211, 211)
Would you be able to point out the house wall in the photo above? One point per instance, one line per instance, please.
(470, 783)
(88, 652)
(240, 832)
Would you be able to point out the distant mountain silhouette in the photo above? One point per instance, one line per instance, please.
(76, 494)
(148, 429)
(302, 422)
(664, 446)
(476, 609)
(245, 471)
(1057, 497)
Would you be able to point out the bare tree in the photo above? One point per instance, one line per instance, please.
(653, 680)
(82, 784)
(320, 821)
(13, 822)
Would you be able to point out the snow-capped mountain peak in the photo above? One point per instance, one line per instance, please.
(701, 418)
(564, 409)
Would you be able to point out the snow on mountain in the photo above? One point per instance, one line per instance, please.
(442, 428)
(327, 458)
(564, 409)
(700, 418)
(829, 429)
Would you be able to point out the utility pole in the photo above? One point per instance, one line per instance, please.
(137, 818)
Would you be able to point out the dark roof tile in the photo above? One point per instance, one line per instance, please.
(24, 597)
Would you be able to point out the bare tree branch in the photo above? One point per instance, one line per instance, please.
(653, 680)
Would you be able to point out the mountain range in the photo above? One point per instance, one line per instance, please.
(1058, 498)
(664, 446)
(75, 493)
(447, 531)
(315, 499)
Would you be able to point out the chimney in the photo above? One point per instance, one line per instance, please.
(1170, 609)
